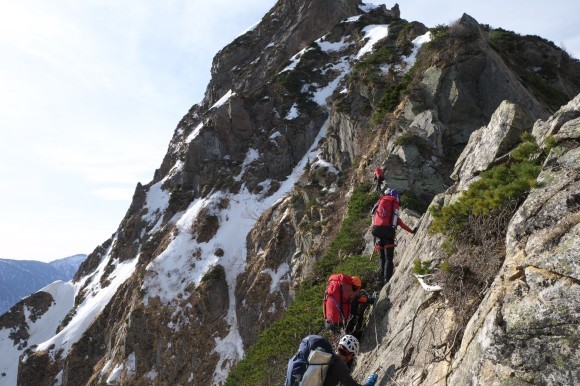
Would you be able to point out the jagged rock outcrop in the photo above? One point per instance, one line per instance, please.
(254, 58)
(488, 144)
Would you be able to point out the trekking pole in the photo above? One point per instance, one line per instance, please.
(374, 248)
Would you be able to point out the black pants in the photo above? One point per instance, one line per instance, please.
(379, 183)
(386, 236)
(386, 257)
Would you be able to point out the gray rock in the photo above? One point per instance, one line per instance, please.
(492, 142)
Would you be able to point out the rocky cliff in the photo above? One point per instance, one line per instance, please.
(524, 330)
(254, 187)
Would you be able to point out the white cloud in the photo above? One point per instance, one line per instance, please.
(91, 93)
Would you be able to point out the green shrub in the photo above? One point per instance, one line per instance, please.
(549, 144)
(368, 69)
(498, 186)
(381, 56)
(510, 46)
(527, 150)
(349, 239)
(421, 267)
(439, 34)
(405, 139)
(215, 273)
(392, 98)
(550, 95)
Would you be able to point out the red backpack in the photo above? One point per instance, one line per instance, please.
(337, 298)
(387, 212)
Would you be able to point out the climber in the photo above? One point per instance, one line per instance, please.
(385, 221)
(337, 302)
(337, 363)
(378, 178)
(359, 304)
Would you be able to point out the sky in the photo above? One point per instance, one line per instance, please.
(92, 90)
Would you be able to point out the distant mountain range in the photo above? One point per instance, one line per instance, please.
(20, 278)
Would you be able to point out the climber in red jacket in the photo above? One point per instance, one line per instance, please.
(385, 222)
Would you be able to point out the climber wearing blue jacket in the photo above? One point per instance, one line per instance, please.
(338, 367)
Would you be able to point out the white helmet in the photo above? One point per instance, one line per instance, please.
(350, 343)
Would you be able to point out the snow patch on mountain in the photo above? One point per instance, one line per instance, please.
(223, 99)
(367, 7)
(156, 203)
(373, 33)
(278, 276)
(322, 94)
(327, 46)
(293, 113)
(417, 43)
(194, 133)
(96, 298)
(294, 60)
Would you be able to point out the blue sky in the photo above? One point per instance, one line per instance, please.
(91, 91)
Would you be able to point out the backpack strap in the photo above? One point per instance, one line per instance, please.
(393, 215)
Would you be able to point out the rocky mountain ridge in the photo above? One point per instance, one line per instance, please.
(257, 178)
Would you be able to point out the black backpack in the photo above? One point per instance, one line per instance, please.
(298, 364)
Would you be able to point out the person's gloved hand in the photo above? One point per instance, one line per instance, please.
(415, 230)
(371, 380)
(371, 300)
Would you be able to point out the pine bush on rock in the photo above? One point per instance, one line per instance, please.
(475, 227)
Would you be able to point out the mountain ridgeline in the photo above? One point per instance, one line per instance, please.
(218, 268)
(20, 278)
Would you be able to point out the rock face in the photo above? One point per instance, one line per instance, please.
(525, 329)
(285, 30)
(254, 186)
(490, 143)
